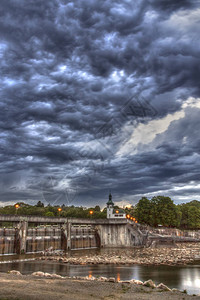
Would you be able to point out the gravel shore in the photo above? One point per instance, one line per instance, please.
(36, 287)
(182, 253)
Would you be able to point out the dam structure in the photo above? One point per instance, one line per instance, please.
(33, 234)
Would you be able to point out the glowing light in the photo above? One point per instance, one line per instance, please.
(16, 205)
(117, 211)
(59, 209)
(91, 212)
(90, 274)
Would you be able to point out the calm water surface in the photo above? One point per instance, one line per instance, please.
(181, 277)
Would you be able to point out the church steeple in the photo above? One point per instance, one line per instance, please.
(110, 196)
(110, 200)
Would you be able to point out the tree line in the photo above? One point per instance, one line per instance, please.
(161, 210)
(39, 209)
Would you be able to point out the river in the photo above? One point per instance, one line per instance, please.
(185, 277)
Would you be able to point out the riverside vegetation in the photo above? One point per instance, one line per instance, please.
(159, 210)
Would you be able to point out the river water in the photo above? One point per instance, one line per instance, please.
(180, 277)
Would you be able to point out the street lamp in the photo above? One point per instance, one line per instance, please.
(59, 211)
(16, 207)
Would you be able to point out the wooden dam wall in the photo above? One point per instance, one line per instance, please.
(38, 239)
(36, 234)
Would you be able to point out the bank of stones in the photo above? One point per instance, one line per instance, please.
(179, 254)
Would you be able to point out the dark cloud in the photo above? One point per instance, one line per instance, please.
(78, 79)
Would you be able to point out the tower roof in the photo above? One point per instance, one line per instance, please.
(110, 200)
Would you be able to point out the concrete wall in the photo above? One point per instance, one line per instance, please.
(112, 235)
(173, 232)
(50, 220)
(121, 235)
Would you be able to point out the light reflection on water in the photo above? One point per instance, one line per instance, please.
(181, 277)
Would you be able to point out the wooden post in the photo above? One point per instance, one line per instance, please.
(23, 228)
(68, 235)
(64, 237)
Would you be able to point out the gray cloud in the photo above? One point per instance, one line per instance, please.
(67, 71)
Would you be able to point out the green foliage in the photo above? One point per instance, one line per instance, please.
(97, 208)
(40, 204)
(143, 208)
(190, 215)
(161, 210)
(52, 211)
(49, 214)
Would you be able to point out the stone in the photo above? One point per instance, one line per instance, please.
(40, 274)
(14, 272)
(102, 278)
(163, 287)
(90, 278)
(149, 283)
(47, 275)
(175, 290)
(139, 282)
(111, 279)
(55, 276)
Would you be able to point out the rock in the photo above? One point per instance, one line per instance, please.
(149, 283)
(163, 287)
(175, 290)
(102, 278)
(40, 274)
(90, 278)
(14, 272)
(111, 279)
(55, 276)
(47, 275)
(124, 281)
(136, 282)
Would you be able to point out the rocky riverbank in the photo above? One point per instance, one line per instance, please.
(182, 253)
(45, 286)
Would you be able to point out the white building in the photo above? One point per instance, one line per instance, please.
(114, 213)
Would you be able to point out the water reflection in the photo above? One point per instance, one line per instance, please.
(191, 279)
(181, 277)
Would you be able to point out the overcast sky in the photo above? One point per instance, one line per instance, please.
(99, 95)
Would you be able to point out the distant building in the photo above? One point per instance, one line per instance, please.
(114, 213)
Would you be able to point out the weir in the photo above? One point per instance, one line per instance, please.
(31, 234)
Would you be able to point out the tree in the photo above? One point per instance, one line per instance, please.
(142, 211)
(164, 211)
(97, 208)
(49, 214)
(40, 204)
(190, 215)
(193, 217)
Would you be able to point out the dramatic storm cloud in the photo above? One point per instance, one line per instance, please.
(99, 95)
